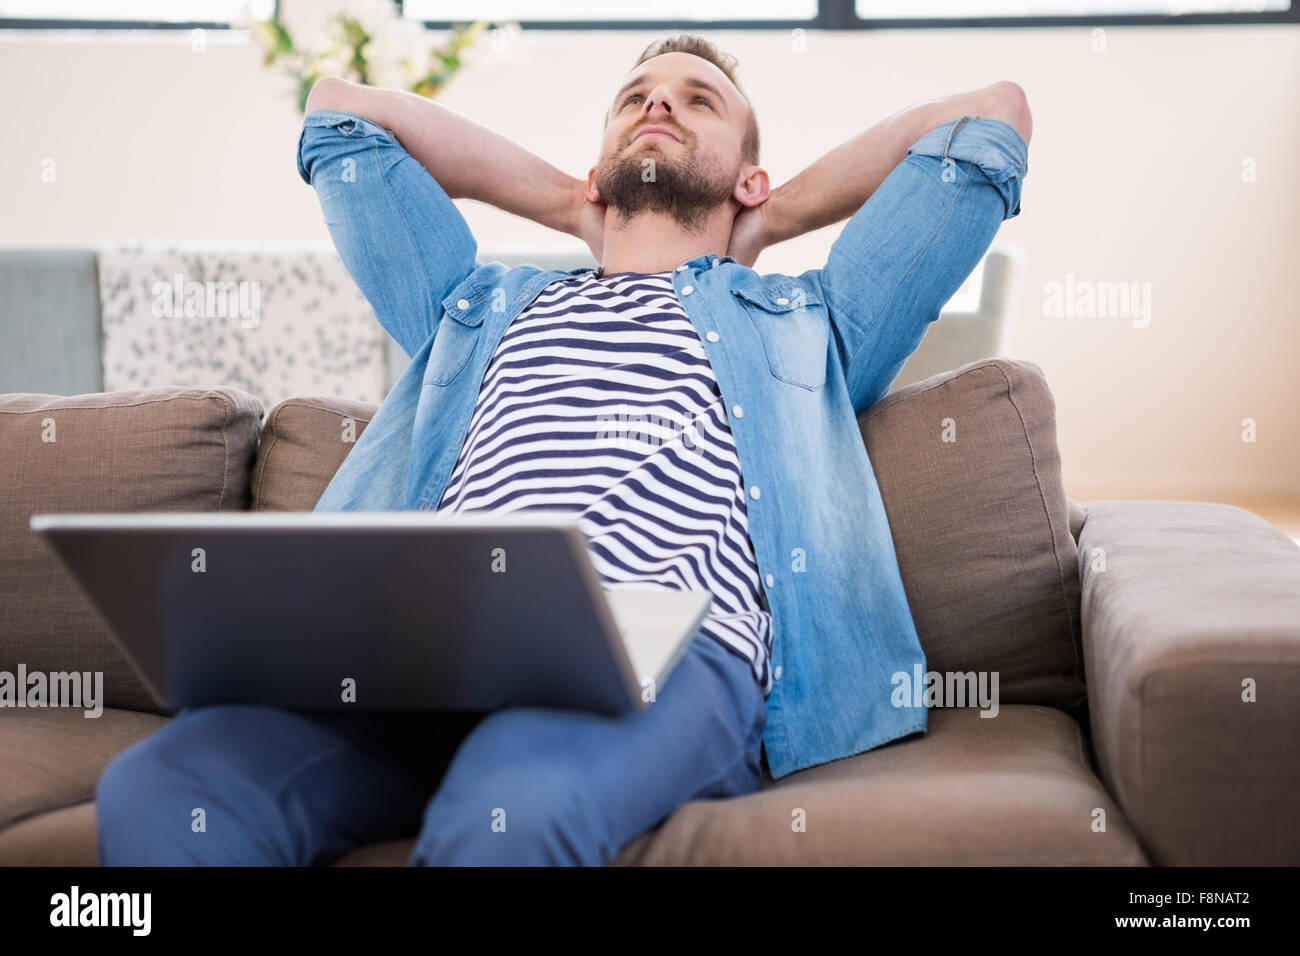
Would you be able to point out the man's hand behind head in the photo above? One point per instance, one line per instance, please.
(750, 233)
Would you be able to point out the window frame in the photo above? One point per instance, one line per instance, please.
(842, 15)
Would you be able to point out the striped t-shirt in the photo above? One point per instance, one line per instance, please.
(601, 400)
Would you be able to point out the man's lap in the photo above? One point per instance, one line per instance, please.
(249, 784)
(525, 782)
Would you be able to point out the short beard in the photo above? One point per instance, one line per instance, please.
(681, 188)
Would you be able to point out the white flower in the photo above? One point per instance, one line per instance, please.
(334, 62)
(388, 75)
(394, 54)
(409, 39)
(376, 16)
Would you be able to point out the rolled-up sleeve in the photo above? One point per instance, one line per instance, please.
(912, 244)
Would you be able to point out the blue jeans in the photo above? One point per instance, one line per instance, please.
(252, 785)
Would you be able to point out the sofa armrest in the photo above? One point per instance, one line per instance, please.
(1191, 637)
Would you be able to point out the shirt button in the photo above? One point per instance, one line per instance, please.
(771, 581)
(737, 411)
(687, 289)
(712, 336)
(753, 491)
(783, 301)
(776, 674)
(682, 268)
(462, 303)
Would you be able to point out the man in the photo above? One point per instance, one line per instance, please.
(530, 388)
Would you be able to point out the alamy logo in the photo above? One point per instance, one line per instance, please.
(83, 689)
(210, 300)
(102, 909)
(946, 689)
(1085, 299)
(638, 429)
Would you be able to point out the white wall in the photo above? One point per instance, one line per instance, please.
(1135, 174)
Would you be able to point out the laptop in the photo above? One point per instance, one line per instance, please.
(406, 610)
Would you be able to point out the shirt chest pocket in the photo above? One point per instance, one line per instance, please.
(794, 329)
(454, 341)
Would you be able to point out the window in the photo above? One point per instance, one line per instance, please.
(128, 14)
(617, 13)
(888, 13)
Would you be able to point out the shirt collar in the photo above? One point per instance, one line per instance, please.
(707, 260)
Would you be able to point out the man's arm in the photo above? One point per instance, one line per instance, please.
(468, 160)
(919, 234)
(836, 186)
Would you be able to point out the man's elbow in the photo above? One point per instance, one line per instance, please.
(1006, 101)
(329, 93)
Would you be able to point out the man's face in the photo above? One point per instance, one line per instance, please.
(672, 142)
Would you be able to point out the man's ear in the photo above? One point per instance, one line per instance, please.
(593, 194)
(753, 187)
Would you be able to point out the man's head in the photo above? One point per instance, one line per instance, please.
(680, 136)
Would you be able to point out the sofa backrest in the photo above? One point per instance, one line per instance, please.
(153, 449)
(966, 460)
(970, 475)
(304, 442)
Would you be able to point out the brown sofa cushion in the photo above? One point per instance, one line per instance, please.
(52, 757)
(1015, 790)
(153, 449)
(981, 527)
(303, 444)
(64, 837)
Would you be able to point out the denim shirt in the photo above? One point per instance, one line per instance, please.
(797, 359)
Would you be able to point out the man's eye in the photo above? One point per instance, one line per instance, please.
(707, 102)
(634, 96)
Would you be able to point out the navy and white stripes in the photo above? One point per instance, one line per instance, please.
(600, 400)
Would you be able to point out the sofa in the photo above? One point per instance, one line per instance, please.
(1147, 652)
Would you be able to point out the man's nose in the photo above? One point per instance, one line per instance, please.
(659, 101)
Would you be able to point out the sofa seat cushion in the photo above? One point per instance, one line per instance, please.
(1013, 790)
(64, 837)
(51, 758)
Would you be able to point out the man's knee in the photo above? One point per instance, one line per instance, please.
(160, 802)
(509, 800)
(504, 820)
(135, 800)
(1006, 101)
(329, 93)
